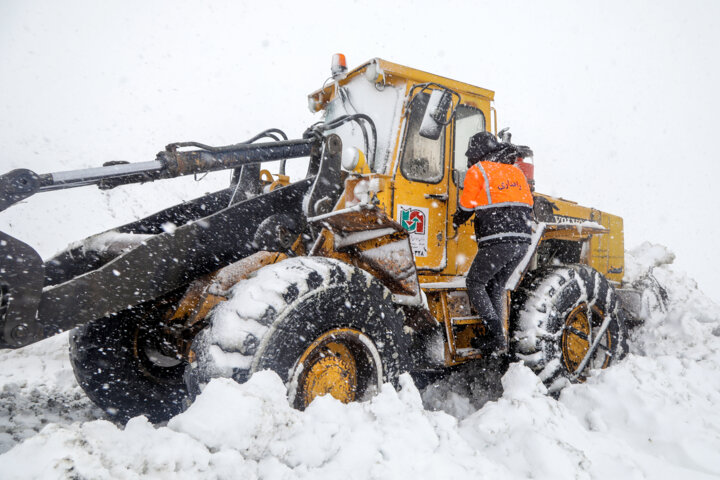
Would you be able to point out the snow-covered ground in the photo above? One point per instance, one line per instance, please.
(653, 415)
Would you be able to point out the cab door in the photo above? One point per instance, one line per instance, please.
(470, 118)
(421, 191)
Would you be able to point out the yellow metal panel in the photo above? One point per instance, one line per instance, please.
(574, 233)
(424, 218)
(395, 74)
(607, 251)
(571, 210)
(393, 69)
(411, 202)
(616, 247)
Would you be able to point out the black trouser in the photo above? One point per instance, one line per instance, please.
(486, 279)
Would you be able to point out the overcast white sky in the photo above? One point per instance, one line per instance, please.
(617, 98)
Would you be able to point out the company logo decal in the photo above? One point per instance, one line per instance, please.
(415, 221)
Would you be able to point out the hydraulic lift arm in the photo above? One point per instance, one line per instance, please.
(20, 184)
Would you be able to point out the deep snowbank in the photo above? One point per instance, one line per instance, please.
(37, 387)
(654, 415)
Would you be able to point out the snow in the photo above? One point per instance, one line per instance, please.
(354, 238)
(37, 388)
(88, 82)
(113, 241)
(653, 415)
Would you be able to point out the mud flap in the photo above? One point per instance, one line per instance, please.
(374, 242)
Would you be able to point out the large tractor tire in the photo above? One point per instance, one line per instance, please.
(323, 326)
(561, 312)
(121, 363)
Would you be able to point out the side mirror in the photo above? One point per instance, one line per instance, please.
(505, 136)
(436, 114)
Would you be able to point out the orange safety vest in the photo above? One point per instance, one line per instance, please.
(491, 184)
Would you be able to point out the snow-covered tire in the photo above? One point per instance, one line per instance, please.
(118, 363)
(556, 308)
(653, 299)
(299, 316)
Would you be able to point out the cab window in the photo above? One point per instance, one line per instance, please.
(468, 122)
(422, 158)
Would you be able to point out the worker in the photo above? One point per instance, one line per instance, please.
(498, 194)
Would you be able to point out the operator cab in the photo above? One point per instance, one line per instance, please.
(413, 128)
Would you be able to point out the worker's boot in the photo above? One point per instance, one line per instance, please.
(493, 343)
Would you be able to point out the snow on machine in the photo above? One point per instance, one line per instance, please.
(338, 282)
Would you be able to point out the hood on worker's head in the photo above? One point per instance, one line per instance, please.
(481, 145)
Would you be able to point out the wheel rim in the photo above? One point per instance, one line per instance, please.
(579, 333)
(342, 362)
(151, 351)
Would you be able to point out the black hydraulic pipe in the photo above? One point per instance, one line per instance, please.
(20, 184)
(201, 161)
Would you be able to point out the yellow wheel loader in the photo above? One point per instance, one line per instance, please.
(338, 282)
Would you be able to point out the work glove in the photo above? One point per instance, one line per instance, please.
(460, 217)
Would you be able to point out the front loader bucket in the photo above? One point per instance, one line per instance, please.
(21, 283)
(81, 285)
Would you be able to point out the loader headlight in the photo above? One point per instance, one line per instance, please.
(313, 105)
(375, 74)
(350, 158)
(353, 160)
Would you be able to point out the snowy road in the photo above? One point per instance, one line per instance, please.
(654, 415)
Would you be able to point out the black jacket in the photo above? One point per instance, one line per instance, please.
(498, 224)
